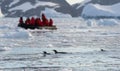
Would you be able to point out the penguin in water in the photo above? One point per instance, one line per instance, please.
(45, 53)
(102, 50)
(56, 52)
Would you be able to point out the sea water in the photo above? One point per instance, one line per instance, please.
(82, 39)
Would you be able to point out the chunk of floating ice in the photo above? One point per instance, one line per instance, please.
(49, 45)
(17, 35)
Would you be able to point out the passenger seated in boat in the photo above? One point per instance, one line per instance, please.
(38, 22)
(32, 21)
(21, 20)
(27, 22)
(43, 17)
(50, 22)
(45, 20)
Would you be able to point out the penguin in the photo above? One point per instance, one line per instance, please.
(102, 50)
(56, 52)
(45, 53)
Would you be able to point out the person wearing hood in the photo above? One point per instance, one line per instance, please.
(50, 22)
(32, 21)
(21, 20)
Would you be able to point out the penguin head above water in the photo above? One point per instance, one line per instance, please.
(102, 50)
(44, 52)
(55, 51)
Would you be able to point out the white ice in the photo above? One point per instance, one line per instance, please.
(101, 10)
(52, 13)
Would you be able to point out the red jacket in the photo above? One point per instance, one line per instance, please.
(21, 20)
(40, 22)
(44, 20)
(51, 22)
(32, 21)
(27, 21)
(43, 17)
(46, 23)
(36, 22)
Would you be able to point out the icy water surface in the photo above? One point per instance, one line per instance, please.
(22, 50)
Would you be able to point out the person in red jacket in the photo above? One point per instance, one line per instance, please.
(36, 22)
(40, 22)
(32, 21)
(50, 22)
(44, 20)
(43, 17)
(21, 20)
(27, 22)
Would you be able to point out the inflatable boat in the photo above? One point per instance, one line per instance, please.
(23, 25)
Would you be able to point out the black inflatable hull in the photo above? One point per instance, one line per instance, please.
(36, 27)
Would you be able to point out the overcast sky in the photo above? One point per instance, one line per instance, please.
(74, 1)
